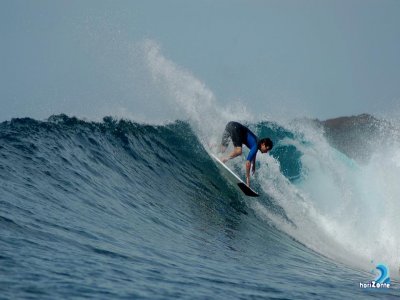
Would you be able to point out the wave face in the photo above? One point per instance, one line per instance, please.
(118, 209)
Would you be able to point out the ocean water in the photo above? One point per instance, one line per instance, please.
(121, 210)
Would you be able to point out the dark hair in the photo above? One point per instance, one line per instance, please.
(267, 142)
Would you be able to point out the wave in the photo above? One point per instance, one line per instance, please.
(106, 187)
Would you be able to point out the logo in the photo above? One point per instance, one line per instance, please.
(382, 281)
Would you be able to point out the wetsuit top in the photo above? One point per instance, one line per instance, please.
(251, 142)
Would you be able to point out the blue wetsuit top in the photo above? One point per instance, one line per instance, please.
(251, 142)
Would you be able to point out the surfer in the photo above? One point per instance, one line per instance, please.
(240, 135)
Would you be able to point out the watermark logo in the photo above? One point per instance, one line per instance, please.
(382, 281)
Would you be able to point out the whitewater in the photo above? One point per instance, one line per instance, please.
(116, 208)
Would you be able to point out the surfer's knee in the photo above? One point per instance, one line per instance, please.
(238, 150)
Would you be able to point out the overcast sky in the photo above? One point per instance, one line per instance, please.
(301, 58)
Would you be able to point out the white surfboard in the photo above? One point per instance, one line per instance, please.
(232, 177)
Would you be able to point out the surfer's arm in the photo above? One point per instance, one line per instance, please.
(236, 152)
(251, 158)
(248, 165)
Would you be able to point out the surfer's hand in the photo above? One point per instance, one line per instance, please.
(248, 181)
(224, 159)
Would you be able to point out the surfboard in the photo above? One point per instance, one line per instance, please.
(233, 178)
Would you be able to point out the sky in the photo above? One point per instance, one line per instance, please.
(298, 58)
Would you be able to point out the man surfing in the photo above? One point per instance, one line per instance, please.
(240, 135)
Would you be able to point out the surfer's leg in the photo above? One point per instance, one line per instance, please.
(236, 136)
(226, 136)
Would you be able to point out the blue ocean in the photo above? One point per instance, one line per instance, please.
(115, 209)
